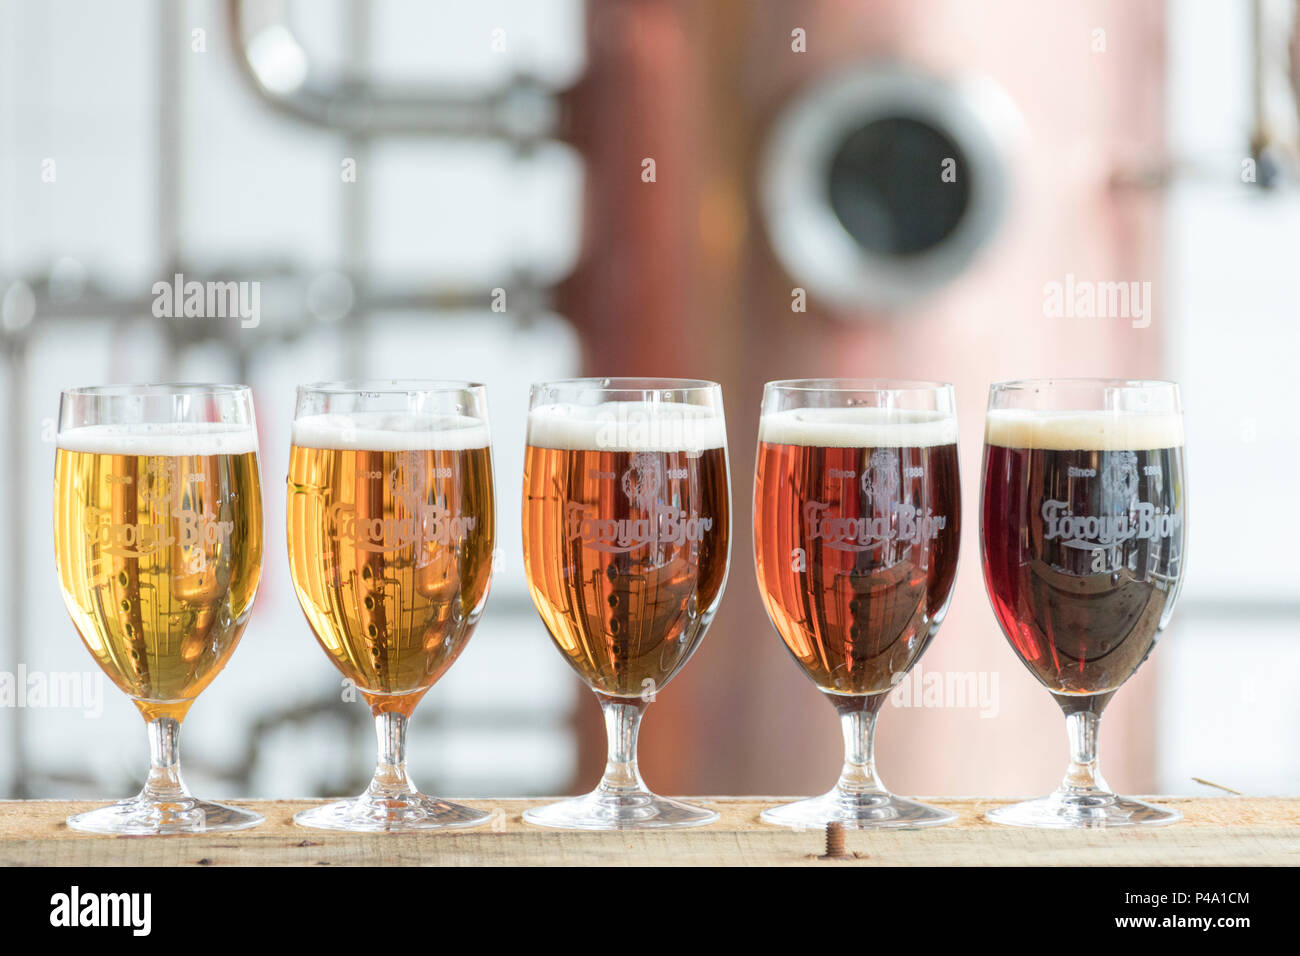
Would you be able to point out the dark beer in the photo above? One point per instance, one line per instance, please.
(857, 519)
(1084, 522)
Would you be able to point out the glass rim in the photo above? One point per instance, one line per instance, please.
(157, 389)
(389, 386)
(857, 385)
(630, 383)
(1134, 384)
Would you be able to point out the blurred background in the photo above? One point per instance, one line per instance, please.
(738, 190)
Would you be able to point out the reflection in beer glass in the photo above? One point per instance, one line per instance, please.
(391, 529)
(158, 542)
(1083, 530)
(627, 527)
(857, 518)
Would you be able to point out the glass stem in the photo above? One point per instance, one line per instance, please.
(1082, 777)
(622, 724)
(858, 723)
(390, 778)
(164, 784)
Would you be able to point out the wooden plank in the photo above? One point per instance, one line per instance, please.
(1216, 831)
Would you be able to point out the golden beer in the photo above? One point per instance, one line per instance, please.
(626, 541)
(391, 536)
(158, 541)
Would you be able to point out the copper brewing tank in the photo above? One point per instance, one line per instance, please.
(681, 277)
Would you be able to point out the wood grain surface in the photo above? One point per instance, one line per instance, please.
(1216, 831)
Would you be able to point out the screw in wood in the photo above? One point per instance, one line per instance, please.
(835, 848)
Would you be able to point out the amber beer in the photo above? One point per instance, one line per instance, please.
(626, 536)
(857, 519)
(158, 541)
(1084, 521)
(391, 536)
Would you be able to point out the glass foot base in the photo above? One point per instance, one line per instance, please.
(391, 814)
(1074, 812)
(607, 810)
(856, 811)
(143, 816)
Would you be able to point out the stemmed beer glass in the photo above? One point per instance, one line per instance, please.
(158, 541)
(1083, 528)
(857, 520)
(627, 526)
(391, 528)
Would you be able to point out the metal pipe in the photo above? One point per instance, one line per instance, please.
(353, 218)
(16, 382)
(525, 296)
(279, 70)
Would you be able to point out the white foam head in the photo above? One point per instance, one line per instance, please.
(627, 426)
(862, 427)
(161, 438)
(1082, 431)
(390, 431)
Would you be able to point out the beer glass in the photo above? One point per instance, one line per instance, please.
(391, 531)
(158, 541)
(1083, 528)
(857, 519)
(627, 528)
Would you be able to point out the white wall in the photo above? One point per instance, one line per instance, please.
(80, 83)
(1230, 663)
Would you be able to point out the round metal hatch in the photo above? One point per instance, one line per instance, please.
(880, 184)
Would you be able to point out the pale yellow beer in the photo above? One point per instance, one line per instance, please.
(158, 540)
(391, 537)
